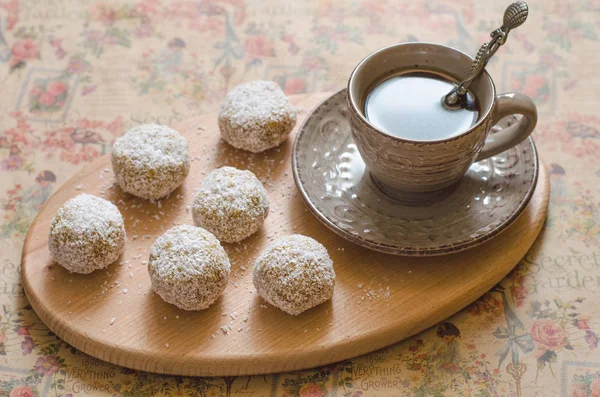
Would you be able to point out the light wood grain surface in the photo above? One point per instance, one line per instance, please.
(379, 299)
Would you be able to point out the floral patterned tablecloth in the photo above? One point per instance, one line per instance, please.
(76, 74)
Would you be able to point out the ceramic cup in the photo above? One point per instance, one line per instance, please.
(402, 166)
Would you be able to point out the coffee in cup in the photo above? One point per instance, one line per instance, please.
(406, 104)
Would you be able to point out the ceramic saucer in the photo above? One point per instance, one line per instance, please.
(332, 179)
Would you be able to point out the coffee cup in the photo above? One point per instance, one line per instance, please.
(402, 166)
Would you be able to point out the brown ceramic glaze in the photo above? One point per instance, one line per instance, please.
(405, 166)
(332, 178)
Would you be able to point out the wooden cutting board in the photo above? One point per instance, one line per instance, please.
(112, 314)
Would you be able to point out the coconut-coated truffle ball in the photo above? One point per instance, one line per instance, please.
(294, 274)
(188, 267)
(256, 116)
(87, 233)
(150, 161)
(231, 203)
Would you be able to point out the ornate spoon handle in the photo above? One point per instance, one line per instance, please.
(514, 16)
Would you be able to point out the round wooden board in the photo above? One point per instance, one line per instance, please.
(399, 296)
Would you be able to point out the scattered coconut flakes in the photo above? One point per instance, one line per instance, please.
(112, 320)
(79, 187)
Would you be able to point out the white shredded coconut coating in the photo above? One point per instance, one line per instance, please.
(150, 161)
(256, 116)
(188, 267)
(87, 233)
(294, 274)
(231, 203)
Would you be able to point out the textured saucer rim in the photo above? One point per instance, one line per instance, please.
(404, 250)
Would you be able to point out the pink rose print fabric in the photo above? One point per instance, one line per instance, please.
(77, 74)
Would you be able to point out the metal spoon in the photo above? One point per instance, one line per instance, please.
(514, 16)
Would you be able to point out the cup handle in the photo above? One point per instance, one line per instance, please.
(507, 104)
